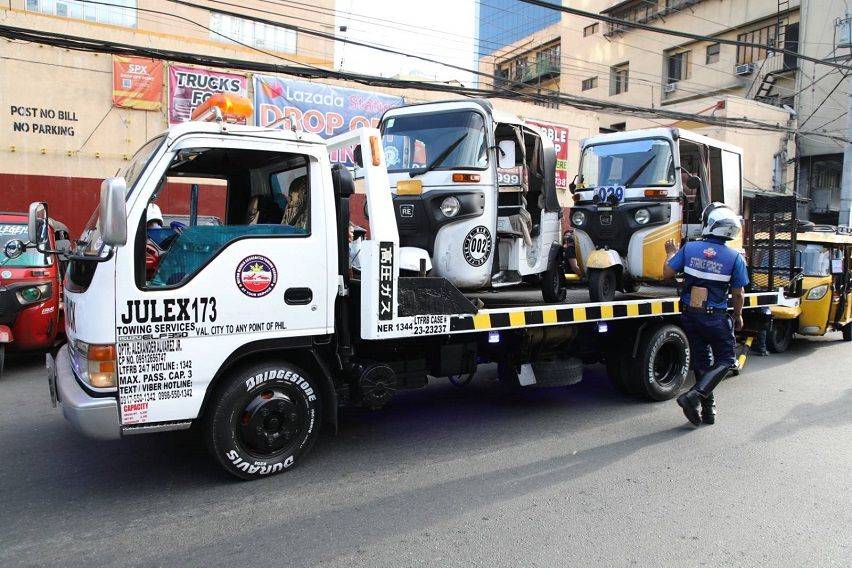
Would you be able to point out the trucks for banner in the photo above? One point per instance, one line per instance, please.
(475, 192)
(258, 330)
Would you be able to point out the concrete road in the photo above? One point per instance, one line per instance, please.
(576, 476)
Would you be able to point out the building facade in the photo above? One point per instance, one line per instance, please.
(619, 64)
(71, 118)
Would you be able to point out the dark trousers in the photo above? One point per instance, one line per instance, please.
(711, 340)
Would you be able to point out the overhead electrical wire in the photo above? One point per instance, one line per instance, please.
(311, 71)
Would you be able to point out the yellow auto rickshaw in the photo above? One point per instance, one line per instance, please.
(823, 253)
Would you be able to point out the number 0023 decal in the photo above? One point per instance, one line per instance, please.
(477, 246)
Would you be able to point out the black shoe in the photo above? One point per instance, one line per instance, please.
(708, 410)
(690, 402)
(763, 353)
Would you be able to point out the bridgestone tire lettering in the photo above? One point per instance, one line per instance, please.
(222, 422)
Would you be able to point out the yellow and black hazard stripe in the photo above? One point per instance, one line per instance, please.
(556, 315)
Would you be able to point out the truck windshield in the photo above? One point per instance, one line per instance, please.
(631, 163)
(31, 257)
(815, 259)
(412, 142)
(136, 166)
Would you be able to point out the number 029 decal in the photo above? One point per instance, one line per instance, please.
(477, 246)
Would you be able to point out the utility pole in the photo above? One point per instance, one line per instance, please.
(844, 36)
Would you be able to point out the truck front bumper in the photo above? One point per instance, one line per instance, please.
(92, 416)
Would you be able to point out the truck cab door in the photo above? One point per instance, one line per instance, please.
(244, 260)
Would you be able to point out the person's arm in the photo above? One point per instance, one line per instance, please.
(738, 299)
(670, 271)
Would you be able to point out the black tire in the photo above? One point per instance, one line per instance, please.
(461, 380)
(553, 288)
(263, 419)
(661, 365)
(617, 369)
(602, 285)
(779, 336)
(846, 329)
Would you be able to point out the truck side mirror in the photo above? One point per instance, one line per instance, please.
(358, 156)
(112, 211)
(341, 179)
(506, 154)
(693, 183)
(37, 224)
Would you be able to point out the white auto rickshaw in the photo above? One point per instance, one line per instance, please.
(638, 189)
(475, 195)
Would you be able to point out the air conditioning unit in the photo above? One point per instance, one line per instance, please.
(670, 88)
(744, 69)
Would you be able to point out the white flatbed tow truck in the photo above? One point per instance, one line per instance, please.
(258, 330)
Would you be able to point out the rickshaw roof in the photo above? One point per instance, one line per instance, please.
(824, 238)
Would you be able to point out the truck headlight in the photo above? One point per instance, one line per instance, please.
(642, 216)
(578, 218)
(33, 294)
(95, 364)
(817, 292)
(450, 206)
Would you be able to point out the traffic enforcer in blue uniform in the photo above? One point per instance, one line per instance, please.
(712, 271)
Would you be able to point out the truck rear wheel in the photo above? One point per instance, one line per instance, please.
(846, 329)
(662, 364)
(779, 336)
(263, 419)
(602, 285)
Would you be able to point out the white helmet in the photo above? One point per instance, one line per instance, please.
(154, 214)
(720, 221)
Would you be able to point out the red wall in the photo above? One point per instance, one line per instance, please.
(70, 200)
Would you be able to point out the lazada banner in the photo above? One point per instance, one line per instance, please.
(313, 107)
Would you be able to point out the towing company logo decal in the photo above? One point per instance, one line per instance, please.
(256, 276)
(709, 252)
(477, 246)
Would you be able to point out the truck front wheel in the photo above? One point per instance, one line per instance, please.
(263, 419)
(662, 363)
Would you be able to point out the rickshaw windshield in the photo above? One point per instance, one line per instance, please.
(630, 163)
(30, 258)
(815, 259)
(412, 142)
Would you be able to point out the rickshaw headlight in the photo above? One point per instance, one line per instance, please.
(642, 216)
(817, 292)
(578, 218)
(450, 206)
(33, 294)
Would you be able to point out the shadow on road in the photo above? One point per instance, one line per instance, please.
(829, 414)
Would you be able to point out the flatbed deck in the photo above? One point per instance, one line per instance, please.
(530, 296)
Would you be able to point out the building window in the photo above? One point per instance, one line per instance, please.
(590, 83)
(118, 13)
(256, 34)
(590, 30)
(618, 76)
(677, 67)
(641, 11)
(765, 36)
(712, 55)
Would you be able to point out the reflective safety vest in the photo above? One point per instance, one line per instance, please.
(710, 265)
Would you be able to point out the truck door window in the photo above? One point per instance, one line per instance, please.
(212, 197)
